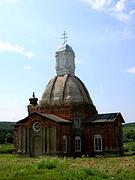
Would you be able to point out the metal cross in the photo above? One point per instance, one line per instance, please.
(33, 95)
(64, 37)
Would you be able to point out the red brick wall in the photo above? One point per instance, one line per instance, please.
(66, 112)
(110, 133)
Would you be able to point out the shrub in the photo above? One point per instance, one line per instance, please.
(85, 173)
(47, 164)
(6, 148)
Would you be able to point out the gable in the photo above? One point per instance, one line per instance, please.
(43, 117)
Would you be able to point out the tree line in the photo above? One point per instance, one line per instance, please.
(6, 132)
(129, 132)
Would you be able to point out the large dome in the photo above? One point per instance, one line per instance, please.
(64, 90)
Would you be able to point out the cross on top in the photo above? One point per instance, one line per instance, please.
(64, 37)
(33, 95)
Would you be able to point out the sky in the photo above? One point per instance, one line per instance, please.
(102, 35)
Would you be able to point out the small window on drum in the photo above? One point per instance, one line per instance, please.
(77, 119)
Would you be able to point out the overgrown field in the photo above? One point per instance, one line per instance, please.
(117, 168)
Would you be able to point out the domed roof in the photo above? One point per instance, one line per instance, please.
(64, 90)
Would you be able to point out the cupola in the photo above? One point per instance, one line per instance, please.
(65, 59)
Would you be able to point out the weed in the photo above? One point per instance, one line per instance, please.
(6, 148)
(86, 168)
(47, 164)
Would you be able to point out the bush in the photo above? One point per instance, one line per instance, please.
(6, 132)
(9, 138)
(6, 148)
(85, 173)
(47, 164)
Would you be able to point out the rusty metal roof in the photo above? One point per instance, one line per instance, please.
(56, 118)
(49, 116)
(65, 89)
(108, 117)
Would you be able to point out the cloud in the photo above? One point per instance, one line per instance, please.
(131, 70)
(11, 116)
(132, 12)
(8, 47)
(122, 9)
(98, 5)
(120, 6)
(27, 67)
(10, 1)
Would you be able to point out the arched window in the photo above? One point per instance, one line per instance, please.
(77, 144)
(65, 144)
(98, 143)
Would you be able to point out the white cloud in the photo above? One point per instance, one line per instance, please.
(10, 1)
(120, 6)
(8, 47)
(131, 70)
(27, 67)
(122, 10)
(11, 116)
(122, 17)
(119, 9)
(132, 12)
(98, 5)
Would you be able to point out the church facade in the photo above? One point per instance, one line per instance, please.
(65, 121)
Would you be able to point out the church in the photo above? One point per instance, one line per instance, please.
(65, 121)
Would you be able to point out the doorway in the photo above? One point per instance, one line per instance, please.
(37, 146)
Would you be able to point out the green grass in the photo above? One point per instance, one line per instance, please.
(6, 148)
(16, 168)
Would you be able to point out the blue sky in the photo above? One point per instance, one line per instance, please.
(102, 34)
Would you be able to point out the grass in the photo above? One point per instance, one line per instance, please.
(17, 168)
(6, 148)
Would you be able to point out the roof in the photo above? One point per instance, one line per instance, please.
(56, 118)
(65, 89)
(64, 47)
(49, 116)
(108, 117)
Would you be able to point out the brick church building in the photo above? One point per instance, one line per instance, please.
(65, 121)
